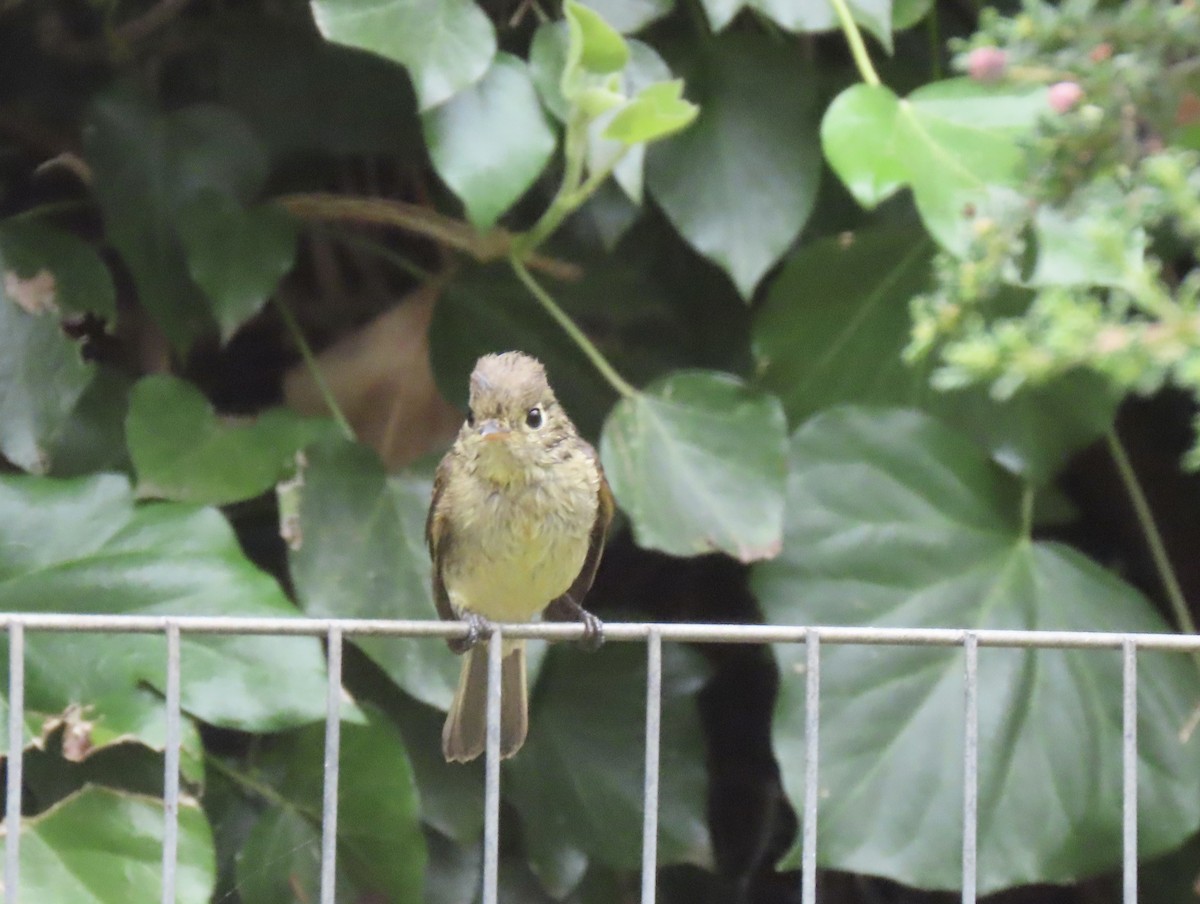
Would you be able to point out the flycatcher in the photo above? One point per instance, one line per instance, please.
(516, 528)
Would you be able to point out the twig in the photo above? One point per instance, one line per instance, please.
(310, 362)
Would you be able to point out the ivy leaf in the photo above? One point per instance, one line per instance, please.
(42, 371)
(629, 16)
(954, 142)
(236, 255)
(491, 140)
(381, 849)
(681, 467)
(105, 847)
(807, 15)
(81, 282)
(655, 113)
(82, 545)
(741, 182)
(833, 329)
(896, 520)
(148, 166)
(446, 45)
(578, 783)
(870, 170)
(592, 44)
(362, 555)
(182, 451)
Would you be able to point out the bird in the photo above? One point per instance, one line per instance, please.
(516, 529)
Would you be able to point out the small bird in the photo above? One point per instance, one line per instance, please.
(516, 527)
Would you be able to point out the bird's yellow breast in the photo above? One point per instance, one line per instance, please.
(519, 546)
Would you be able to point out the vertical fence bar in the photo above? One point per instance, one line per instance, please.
(16, 747)
(970, 766)
(170, 845)
(333, 745)
(812, 727)
(1129, 740)
(650, 791)
(491, 786)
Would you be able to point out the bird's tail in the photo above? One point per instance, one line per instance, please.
(465, 733)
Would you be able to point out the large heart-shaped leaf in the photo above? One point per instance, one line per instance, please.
(362, 555)
(955, 143)
(83, 546)
(491, 140)
(381, 850)
(182, 451)
(42, 372)
(148, 166)
(697, 463)
(101, 846)
(236, 255)
(577, 783)
(741, 181)
(896, 520)
(446, 45)
(828, 334)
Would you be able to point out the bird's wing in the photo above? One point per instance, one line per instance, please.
(438, 537)
(604, 515)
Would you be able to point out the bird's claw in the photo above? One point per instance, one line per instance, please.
(593, 632)
(478, 628)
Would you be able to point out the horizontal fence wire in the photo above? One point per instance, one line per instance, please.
(334, 630)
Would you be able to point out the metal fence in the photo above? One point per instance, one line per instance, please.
(334, 631)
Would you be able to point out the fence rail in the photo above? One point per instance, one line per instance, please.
(336, 630)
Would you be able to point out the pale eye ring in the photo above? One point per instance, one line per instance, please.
(533, 418)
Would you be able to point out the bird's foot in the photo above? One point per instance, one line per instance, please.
(478, 628)
(593, 632)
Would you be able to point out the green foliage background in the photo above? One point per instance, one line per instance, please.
(850, 328)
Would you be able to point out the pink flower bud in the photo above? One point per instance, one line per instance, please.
(987, 64)
(1063, 96)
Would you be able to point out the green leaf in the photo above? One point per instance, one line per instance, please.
(818, 15)
(741, 182)
(657, 111)
(81, 283)
(182, 451)
(697, 463)
(83, 546)
(93, 438)
(593, 44)
(381, 849)
(148, 166)
(305, 95)
(42, 372)
(577, 783)
(907, 13)
(236, 255)
(490, 141)
(446, 45)
(896, 520)
(281, 859)
(807, 15)
(833, 329)
(869, 169)
(362, 555)
(104, 847)
(547, 64)
(629, 16)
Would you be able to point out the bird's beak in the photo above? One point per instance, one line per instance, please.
(491, 431)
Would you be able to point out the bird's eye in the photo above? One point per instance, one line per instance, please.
(533, 417)
(470, 418)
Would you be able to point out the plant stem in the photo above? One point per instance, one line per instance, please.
(261, 789)
(935, 42)
(598, 360)
(1158, 550)
(858, 49)
(310, 362)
